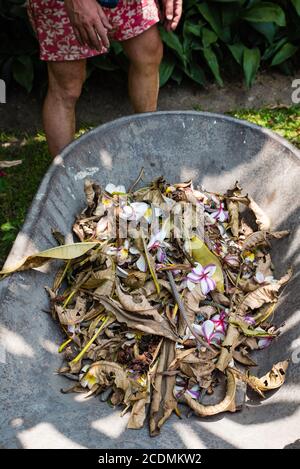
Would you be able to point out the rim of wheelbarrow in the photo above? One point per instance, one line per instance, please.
(19, 247)
(213, 115)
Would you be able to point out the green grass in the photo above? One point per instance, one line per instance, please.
(285, 121)
(20, 183)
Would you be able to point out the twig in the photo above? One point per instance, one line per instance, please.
(152, 271)
(141, 174)
(183, 311)
(174, 267)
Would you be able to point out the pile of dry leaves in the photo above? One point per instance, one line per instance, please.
(166, 315)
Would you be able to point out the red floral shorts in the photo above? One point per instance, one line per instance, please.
(56, 36)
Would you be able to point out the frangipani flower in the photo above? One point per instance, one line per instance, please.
(112, 189)
(106, 201)
(181, 387)
(220, 214)
(157, 240)
(264, 342)
(121, 253)
(220, 322)
(210, 332)
(134, 211)
(202, 275)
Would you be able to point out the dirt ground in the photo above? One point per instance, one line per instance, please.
(103, 100)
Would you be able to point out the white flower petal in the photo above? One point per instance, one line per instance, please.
(190, 285)
(121, 272)
(140, 209)
(141, 264)
(134, 250)
(198, 269)
(259, 277)
(209, 269)
(208, 328)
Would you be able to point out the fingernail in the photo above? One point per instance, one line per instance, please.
(169, 17)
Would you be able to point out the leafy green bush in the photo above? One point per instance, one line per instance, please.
(215, 38)
(18, 45)
(214, 34)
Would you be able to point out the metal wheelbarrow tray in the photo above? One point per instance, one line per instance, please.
(215, 151)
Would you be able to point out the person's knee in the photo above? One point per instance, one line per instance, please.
(148, 53)
(66, 87)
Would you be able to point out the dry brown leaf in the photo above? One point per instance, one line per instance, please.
(9, 164)
(104, 373)
(230, 342)
(191, 301)
(261, 238)
(264, 294)
(243, 359)
(227, 404)
(234, 223)
(139, 322)
(262, 220)
(258, 238)
(138, 414)
(97, 278)
(89, 192)
(66, 252)
(220, 298)
(137, 304)
(135, 279)
(271, 380)
(72, 316)
(163, 401)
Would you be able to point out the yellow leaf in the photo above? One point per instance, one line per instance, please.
(66, 252)
(204, 256)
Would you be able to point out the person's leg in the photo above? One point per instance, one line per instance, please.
(64, 88)
(145, 54)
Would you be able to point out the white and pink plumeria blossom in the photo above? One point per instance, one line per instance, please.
(134, 211)
(202, 275)
(264, 342)
(208, 331)
(220, 322)
(194, 392)
(121, 253)
(220, 214)
(112, 189)
(158, 240)
(157, 243)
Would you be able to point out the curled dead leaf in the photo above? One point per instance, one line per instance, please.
(226, 404)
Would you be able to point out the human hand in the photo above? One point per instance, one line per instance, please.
(89, 22)
(172, 10)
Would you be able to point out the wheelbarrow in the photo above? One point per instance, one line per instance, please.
(213, 150)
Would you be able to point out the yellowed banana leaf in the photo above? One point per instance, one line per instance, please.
(66, 252)
(204, 256)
